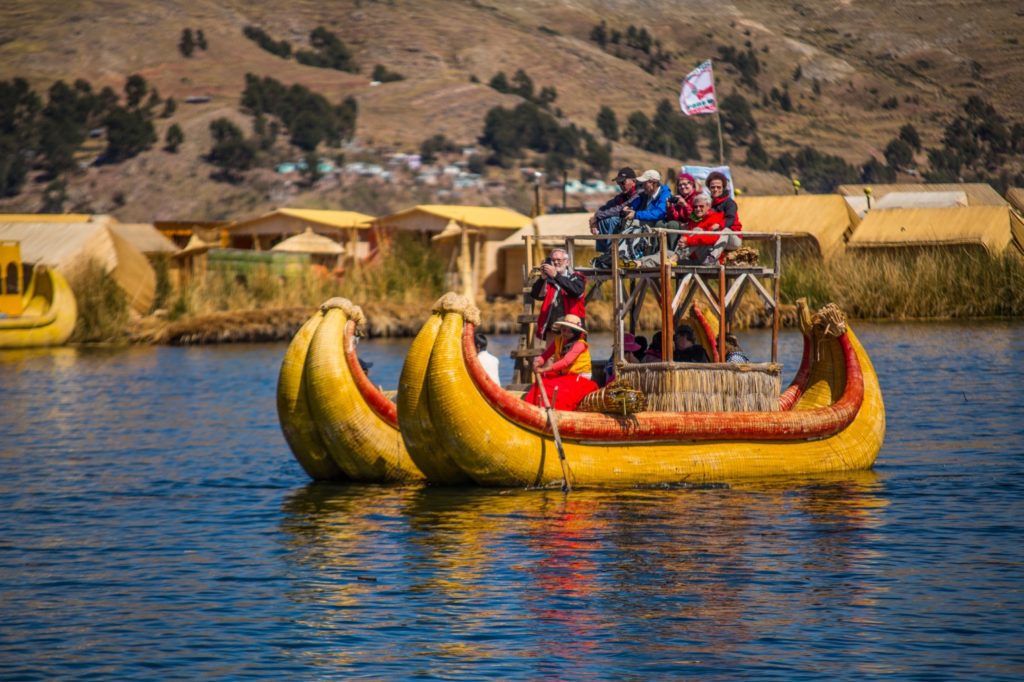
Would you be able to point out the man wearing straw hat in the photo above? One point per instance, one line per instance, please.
(565, 367)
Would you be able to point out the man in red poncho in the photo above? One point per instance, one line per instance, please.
(561, 289)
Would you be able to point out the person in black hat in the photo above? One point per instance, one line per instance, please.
(608, 218)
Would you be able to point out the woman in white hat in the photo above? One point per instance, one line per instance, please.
(565, 364)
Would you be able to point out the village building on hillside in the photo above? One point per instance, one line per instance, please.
(466, 237)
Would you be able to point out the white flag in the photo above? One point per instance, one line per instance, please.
(698, 93)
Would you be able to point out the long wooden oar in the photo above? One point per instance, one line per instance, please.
(553, 420)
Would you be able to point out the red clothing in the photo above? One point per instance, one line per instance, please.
(730, 212)
(572, 388)
(568, 295)
(712, 222)
(680, 212)
(566, 361)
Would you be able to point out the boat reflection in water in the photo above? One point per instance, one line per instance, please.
(673, 574)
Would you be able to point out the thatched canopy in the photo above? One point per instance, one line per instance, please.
(989, 227)
(310, 242)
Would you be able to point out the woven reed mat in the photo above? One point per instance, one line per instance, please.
(671, 387)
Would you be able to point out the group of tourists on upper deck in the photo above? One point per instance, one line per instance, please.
(645, 202)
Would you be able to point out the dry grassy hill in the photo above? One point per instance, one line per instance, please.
(928, 55)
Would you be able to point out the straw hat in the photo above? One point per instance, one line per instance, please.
(572, 322)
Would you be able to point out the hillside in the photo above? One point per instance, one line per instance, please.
(921, 59)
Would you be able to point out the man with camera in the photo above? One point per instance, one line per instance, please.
(561, 289)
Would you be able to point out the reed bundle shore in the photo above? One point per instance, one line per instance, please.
(396, 297)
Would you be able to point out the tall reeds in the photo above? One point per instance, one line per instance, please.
(919, 284)
(102, 306)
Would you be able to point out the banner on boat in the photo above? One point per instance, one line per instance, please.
(698, 93)
(701, 173)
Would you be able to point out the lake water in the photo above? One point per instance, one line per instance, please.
(154, 525)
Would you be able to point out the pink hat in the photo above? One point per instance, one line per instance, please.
(629, 343)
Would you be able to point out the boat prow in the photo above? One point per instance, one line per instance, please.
(832, 419)
(344, 419)
(48, 316)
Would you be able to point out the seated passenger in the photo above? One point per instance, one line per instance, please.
(733, 352)
(564, 365)
(685, 346)
(722, 202)
(561, 289)
(653, 353)
(642, 350)
(699, 249)
(629, 347)
(608, 219)
(680, 206)
(647, 210)
(489, 361)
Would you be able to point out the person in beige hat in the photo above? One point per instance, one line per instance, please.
(564, 365)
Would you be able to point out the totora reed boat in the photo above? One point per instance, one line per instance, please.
(41, 314)
(690, 423)
(338, 424)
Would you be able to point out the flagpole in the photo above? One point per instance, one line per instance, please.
(721, 144)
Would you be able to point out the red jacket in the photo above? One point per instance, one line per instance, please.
(727, 207)
(713, 221)
(680, 212)
(566, 298)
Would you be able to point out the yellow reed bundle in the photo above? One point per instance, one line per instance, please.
(619, 397)
(677, 387)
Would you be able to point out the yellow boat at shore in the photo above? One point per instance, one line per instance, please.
(41, 314)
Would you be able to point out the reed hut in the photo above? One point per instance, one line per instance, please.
(466, 237)
(818, 224)
(977, 193)
(345, 227)
(987, 228)
(69, 246)
(512, 250)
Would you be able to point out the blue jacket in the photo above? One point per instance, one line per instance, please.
(651, 209)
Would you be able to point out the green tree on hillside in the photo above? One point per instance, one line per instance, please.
(174, 138)
(908, 134)
(230, 151)
(135, 89)
(129, 132)
(607, 123)
(329, 52)
(899, 154)
(757, 157)
(500, 82)
(187, 44)
(201, 40)
(522, 85)
(737, 118)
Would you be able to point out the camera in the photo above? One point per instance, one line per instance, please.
(548, 261)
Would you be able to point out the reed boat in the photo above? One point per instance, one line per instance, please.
(338, 424)
(830, 419)
(44, 314)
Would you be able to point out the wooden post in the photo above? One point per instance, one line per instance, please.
(617, 355)
(465, 271)
(721, 143)
(570, 250)
(667, 345)
(777, 291)
(721, 313)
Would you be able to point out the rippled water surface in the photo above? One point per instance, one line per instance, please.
(154, 525)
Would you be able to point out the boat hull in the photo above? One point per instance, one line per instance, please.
(50, 314)
(836, 423)
(355, 420)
